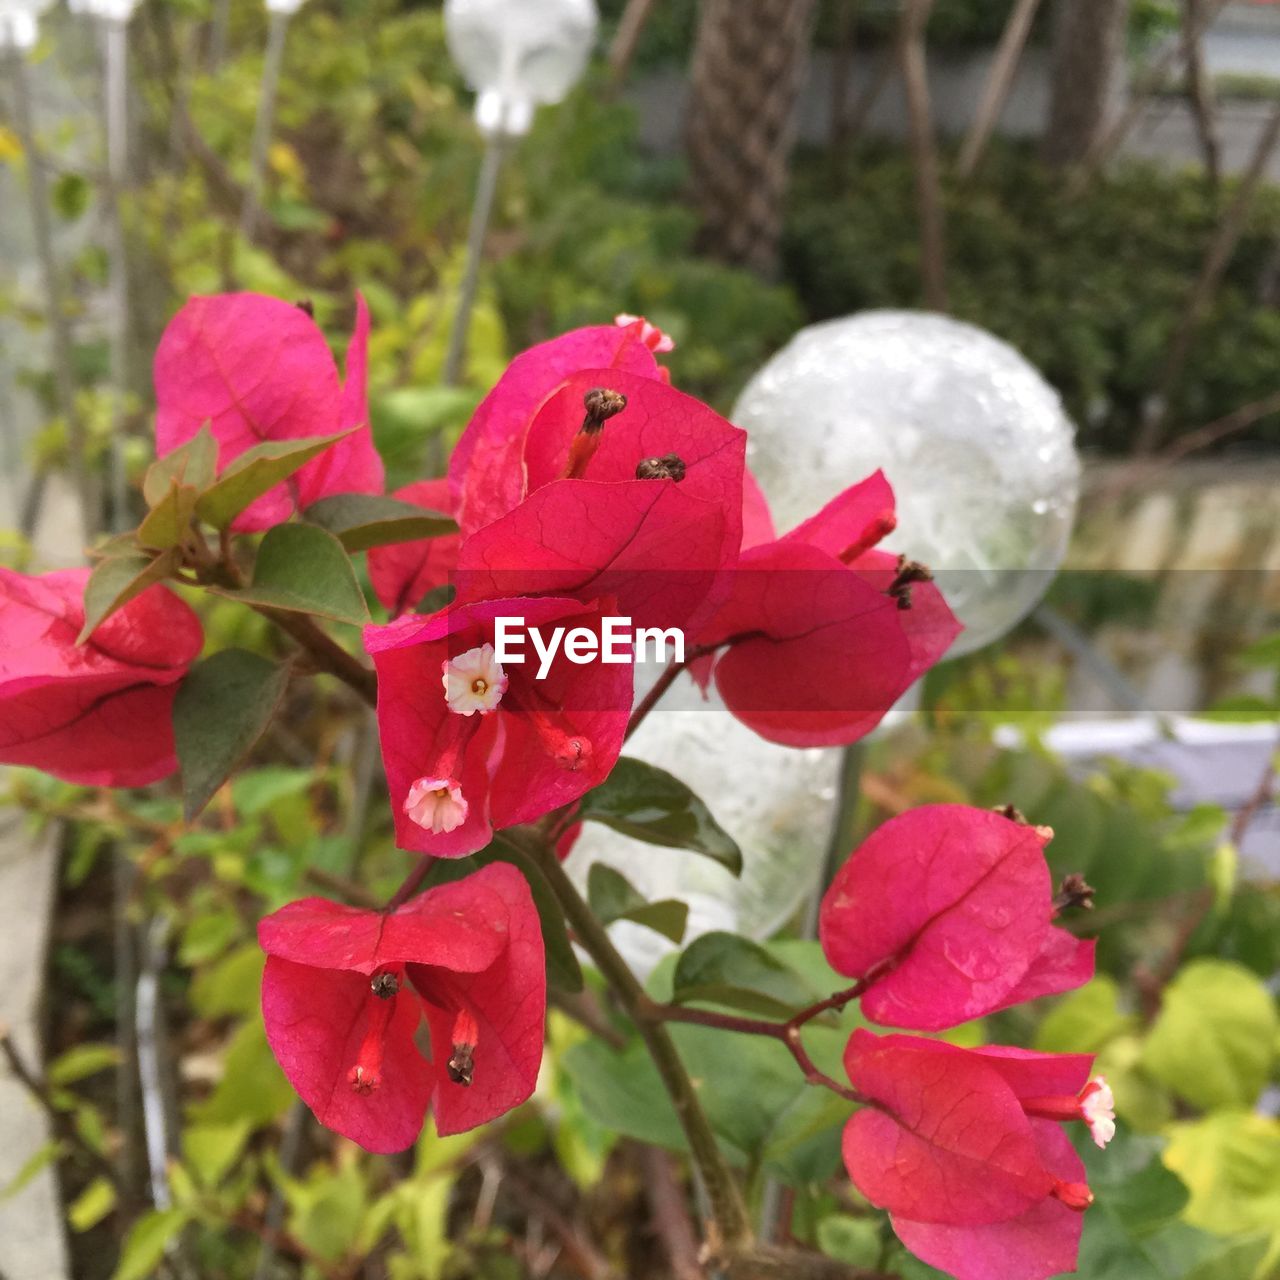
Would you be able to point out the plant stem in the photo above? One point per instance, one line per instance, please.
(789, 1032)
(654, 696)
(729, 1226)
(412, 883)
(328, 654)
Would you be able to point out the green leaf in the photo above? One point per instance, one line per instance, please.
(1230, 1163)
(364, 520)
(82, 1061)
(167, 523)
(117, 580)
(1244, 708)
(254, 472)
(613, 897)
(229, 986)
(723, 968)
(854, 1241)
(647, 803)
(1085, 1020)
(303, 569)
(92, 1205)
(252, 1088)
(1214, 1040)
(210, 1150)
(1264, 652)
(31, 1168)
(223, 707)
(192, 464)
(145, 1244)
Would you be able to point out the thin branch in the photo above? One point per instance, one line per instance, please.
(627, 38)
(60, 1121)
(576, 1249)
(654, 696)
(1200, 89)
(1110, 139)
(671, 1221)
(924, 156)
(728, 1227)
(1004, 67)
(1216, 261)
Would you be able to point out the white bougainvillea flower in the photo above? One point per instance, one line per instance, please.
(436, 804)
(1098, 1110)
(474, 682)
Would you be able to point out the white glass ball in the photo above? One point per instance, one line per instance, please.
(519, 53)
(19, 22)
(777, 802)
(975, 442)
(286, 8)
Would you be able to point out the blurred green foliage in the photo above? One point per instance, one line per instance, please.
(1088, 289)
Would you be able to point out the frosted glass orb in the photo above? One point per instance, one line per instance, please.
(519, 53)
(287, 8)
(19, 22)
(777, 803)
(975, 442)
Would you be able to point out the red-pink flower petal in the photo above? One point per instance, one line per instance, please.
(660, 550)
(548, 741)
(757, 519)
(485, 471)
(950, 904)
(1064, 962)
(946, 1140)
(1044, 1241)
(815, 656)
(317, 1020)
(98, 713)
(508, 1002)
(404, 572)
(471, 947)
(352, 465)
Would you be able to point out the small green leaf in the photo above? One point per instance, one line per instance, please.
(613, 897)
(647, 803)
(303, 569)
(853, 1241)
(192, 464)
(1244, 708)
(210, 1150)
(721, 968)
(223, 707)
(92, 1205)
(117, 580)
(254, 472)
(31, 1168)
(167, 523)
(82, 1061)
(146, 1243)
(364, 520)
(1215, 1038)
(1085, 1020)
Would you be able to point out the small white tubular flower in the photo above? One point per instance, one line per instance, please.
(652, 337)
(436, 804)
(1098, 1108)
(473, 681)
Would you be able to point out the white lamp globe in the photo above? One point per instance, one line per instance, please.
(777, 802)
(286, 8)
(518, 54)
(975, 443)
(19, 23)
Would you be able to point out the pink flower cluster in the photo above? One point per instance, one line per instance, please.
(944, 915)
(587, 487)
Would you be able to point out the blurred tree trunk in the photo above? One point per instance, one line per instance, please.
(749, 63)
(1088, 48)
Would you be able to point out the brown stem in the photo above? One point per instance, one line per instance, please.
(728, 1227)
(327, 653)
(671, 1220)
(788, 1032)
(59, 1120)
(654, 696)
(412, 883)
